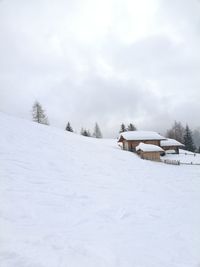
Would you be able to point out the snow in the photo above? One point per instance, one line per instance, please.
(148, 148)
(185, 157)
(141, 135)
(170, 142)
(170, 151)
(69, 200)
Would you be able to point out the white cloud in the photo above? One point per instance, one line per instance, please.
(107, 61)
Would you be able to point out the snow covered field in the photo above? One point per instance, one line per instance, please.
(73, 201)
(185, 157)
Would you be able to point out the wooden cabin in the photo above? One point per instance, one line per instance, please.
(171, 145)
(131, 139)
(149, 152)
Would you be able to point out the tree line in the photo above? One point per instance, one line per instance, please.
(190, 139)
(39, 116)
(130, 127)
(184, 135)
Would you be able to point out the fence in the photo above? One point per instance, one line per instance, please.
(172, 162)
(177, 162)
(189, 163)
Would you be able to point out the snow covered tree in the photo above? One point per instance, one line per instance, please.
(82, 131)
(123, 128)
(38, 114)
(131, 127)
(176, 132)
(85, 132)
(88, 133)
(196, 137)
(97, 132)
(68, 127)
(188, 139)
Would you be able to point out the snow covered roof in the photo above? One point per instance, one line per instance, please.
(141, 135)
(148, 148)
(170, 151)
(170, 142)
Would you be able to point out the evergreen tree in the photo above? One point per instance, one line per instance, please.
(188, 140)
(85, 132)
(88, 133)
(68, 127)
(38, 114)
(97, 132)
(131, 127)
(123, 128)
(176, 132)
(82, 131)
(196, 137)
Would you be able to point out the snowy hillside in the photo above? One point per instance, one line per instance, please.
(184, 157)
(72, 201)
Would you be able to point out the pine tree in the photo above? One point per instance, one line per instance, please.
(82, 131)
(188, 140)
(85, 132)
(196, 137)
(88, 133)
(123, 128)
(131, 127)
(38, 114)
(97, 132)
(68, 127)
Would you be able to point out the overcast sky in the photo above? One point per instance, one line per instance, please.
(109, 61)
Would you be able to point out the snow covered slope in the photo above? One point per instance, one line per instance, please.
(184, 157)
(73, 201)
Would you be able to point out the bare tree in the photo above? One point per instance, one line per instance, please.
(176, 132)
(38, 114)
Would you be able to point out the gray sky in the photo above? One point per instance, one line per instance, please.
(109, 61)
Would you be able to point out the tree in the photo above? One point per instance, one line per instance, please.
(131, 127)
(123, 128)
(188, 139)
(68, 127)
(85, 132)
(176, 132)
(97, 132)
(196, 137)
(38, 114)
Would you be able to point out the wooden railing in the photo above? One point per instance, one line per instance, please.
(172, 162)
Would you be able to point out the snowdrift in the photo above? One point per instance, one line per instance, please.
(69, 200)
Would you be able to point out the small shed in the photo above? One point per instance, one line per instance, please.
(150, 152)
(131, 139)
(171, 145)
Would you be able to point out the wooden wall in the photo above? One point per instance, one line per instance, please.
(155, 156)
(131, 145)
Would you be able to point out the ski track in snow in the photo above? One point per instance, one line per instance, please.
(73, 201)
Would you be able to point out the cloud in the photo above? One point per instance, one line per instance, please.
(104, 61)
